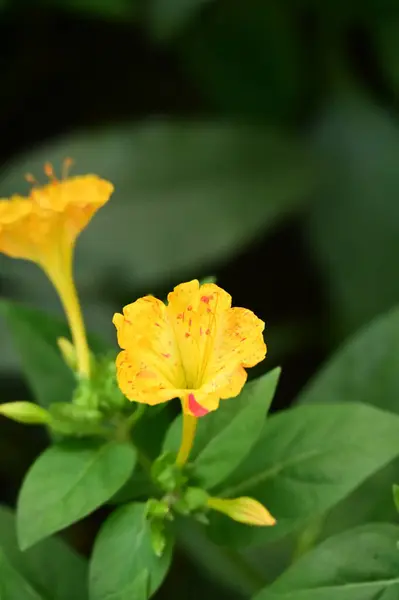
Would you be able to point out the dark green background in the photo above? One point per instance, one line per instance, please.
(255, 141)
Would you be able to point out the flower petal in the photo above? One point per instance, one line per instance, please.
(77, 198)
(194, 312)
(238, 343)
(44, 227)
(142, 382)
(149, 370)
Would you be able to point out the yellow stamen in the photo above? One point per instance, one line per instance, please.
(31, 179)
(49, 171)
(66, 165)
(187, 440)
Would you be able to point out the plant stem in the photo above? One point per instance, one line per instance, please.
(187, 440)
(135, 417)
(63, 281)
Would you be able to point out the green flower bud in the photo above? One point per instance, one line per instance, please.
(25, 412)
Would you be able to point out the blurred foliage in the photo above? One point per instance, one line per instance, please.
(254, 140)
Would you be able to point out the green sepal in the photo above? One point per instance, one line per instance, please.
(166, 474)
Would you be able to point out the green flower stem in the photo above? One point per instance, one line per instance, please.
(135, 417)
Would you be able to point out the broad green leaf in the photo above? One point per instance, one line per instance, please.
(308, 459)
(213, 187)
(215, 423)
(371, 502)
(233, 435)
(13, 585)
(122, 552)
(67, 482)
(364, 369)
(360, 564)
(353, 229)
(51, 568)
(35, 336)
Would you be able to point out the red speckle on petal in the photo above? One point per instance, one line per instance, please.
(201, 332)
(189, 307)
(206, 299)
(208, 331)
(187, 335)
(243, 339)
(127, 321)
(180, 316)
(195, 408)
(166, 355)
(157, 324)
(190, 322)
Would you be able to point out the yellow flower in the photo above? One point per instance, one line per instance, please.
(196, 348)
(43, 228)
(244, 510)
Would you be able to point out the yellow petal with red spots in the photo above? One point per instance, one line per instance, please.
(195, 348)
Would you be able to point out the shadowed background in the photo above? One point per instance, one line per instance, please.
(257, 142)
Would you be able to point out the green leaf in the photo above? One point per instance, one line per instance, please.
(191, 175)
(51, 568)
(233, 432)
(13, 585)
(122, 552)
(35, 336)
(396, 496)
(361, 564)
(386, 41)
(67, 482)
(307, 459)
(364, 369)
(353, 229)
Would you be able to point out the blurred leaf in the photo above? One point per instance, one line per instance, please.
(325, 449)
(35, 336)
(166, 18)
(361, 564)
(371, 502)
(365, 369)
(185, 193)
(67, 482)
(51, 568)
(220, 563)
(247, 57)
(396, 496)
(385, 34)
(354, 228)
(122, 552)
(13, 585)
(232, 441)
